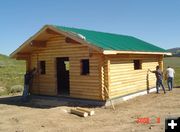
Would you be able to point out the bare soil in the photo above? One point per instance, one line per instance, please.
(43, 115)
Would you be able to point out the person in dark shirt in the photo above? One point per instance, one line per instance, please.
(27, 81)
(159, 78)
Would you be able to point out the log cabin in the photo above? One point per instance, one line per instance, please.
(87, 64)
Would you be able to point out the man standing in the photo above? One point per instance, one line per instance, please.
(170, 77)
(159, 78)
(27, 82)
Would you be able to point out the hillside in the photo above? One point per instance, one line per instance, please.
(11, 72)
(175, 51)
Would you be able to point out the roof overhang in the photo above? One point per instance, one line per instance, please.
(114, 52)
(60, 32)
(27, 42)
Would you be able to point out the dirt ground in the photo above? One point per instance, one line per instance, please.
(43, 115)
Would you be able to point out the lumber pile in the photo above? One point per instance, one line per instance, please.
(83, 112)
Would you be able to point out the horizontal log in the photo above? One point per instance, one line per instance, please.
(85, 89)
(43, 90)
(127, 87)
(125, 92)
(62, 51)
(80, 94)
(82, 84)
(129, 74)
(46, 88)
(77, 74)
(59, 52)
(62, 44)
(68, 49)
(85, 96)
(121, 64)
(87, 81)
(90, 112)
(130, 78)
(84, 78)
(79, 112)
(143, 82)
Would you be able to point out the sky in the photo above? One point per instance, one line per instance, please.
(154, 21)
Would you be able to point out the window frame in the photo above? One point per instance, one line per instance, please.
(42, 67)
(82, 70)
(137, 64)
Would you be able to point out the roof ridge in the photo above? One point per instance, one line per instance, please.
(112, 41)
(93, 31)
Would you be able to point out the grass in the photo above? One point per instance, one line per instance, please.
(174, 62)
(12, 73)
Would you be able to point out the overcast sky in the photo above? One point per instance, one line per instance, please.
(154, 21)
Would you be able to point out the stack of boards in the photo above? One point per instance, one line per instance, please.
(83, 112)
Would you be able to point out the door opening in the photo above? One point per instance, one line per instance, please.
(62, 75)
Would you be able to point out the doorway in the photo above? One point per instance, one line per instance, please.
(62, 75)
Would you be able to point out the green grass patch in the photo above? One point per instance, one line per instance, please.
(12, 74)
(173, 62)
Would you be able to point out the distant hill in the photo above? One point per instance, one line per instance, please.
(3, 56)
(3, 60)
(175, 51)
(6, 61)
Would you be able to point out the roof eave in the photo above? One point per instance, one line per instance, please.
(114, 52)
(13, 54)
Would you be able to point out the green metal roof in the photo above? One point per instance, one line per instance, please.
(109, 41)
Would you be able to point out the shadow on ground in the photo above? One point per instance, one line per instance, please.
(46, 102)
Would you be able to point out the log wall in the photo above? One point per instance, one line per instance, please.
(81, 86)
(124, 80)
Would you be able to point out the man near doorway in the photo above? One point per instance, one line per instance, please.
(170, 77)
(159, 78)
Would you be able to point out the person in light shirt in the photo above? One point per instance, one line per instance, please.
(170, 77)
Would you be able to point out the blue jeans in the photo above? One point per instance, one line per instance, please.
(158, 84)
(170, 83)
(25, 93)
